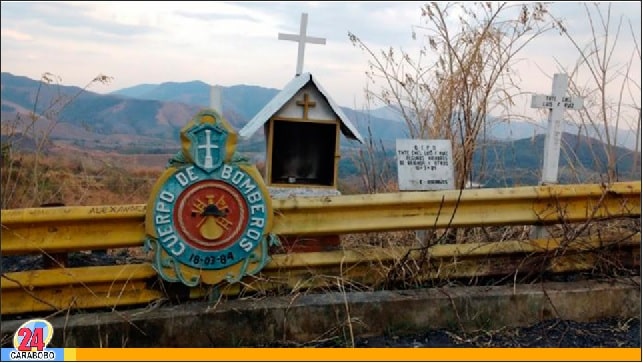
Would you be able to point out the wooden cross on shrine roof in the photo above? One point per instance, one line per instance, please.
(306, 104)
(302, 39)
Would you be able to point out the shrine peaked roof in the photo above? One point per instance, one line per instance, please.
(289, 91)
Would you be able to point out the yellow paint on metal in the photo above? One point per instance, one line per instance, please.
(373, 276)
(100, 213)
(78, 275)
(314, 260)
(69, 229)
(37, 230)
(253, 172)
(55, 299)
(74, 236)
(483, 207)
(334, 258)
(86, 287)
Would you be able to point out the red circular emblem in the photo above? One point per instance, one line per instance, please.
(211, 215)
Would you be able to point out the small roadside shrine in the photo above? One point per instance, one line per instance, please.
(302, 126)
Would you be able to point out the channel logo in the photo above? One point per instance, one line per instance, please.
(30, 343)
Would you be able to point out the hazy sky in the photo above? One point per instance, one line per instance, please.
(231, 43)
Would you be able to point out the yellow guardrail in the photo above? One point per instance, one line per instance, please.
(134, 284)
(60, 229)
(66, 229)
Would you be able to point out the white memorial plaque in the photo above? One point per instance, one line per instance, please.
(544, 101)
(424, 164)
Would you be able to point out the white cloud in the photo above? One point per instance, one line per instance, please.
(232, 43)
(15, 35)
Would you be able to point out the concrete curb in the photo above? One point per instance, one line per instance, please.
(314, 317)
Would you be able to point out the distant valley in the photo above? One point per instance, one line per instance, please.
(146, 119)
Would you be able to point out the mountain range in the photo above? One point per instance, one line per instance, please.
(143, 116)
(148, 117)
(242, 102)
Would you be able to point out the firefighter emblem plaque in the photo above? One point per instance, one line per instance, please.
(209, 215)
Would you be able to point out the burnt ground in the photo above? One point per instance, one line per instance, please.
(606, 333)
(552, 333)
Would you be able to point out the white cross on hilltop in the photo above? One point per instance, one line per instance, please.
(302, 39)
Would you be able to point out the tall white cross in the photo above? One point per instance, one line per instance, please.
(557, 103)
(302, 39)
(208, 163)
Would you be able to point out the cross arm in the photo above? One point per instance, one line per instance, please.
(297, 38)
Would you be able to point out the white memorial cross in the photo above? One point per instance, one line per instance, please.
(302, 39)
(208, 150)
(557, 103)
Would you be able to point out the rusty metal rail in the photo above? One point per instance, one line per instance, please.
(60, 229)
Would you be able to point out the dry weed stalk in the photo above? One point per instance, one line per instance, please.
(596, 76)
(24, 183)
(460, 75)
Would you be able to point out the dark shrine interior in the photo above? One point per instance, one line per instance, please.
(303, 153)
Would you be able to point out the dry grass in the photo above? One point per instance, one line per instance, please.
(382, 240)
(74, 178)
